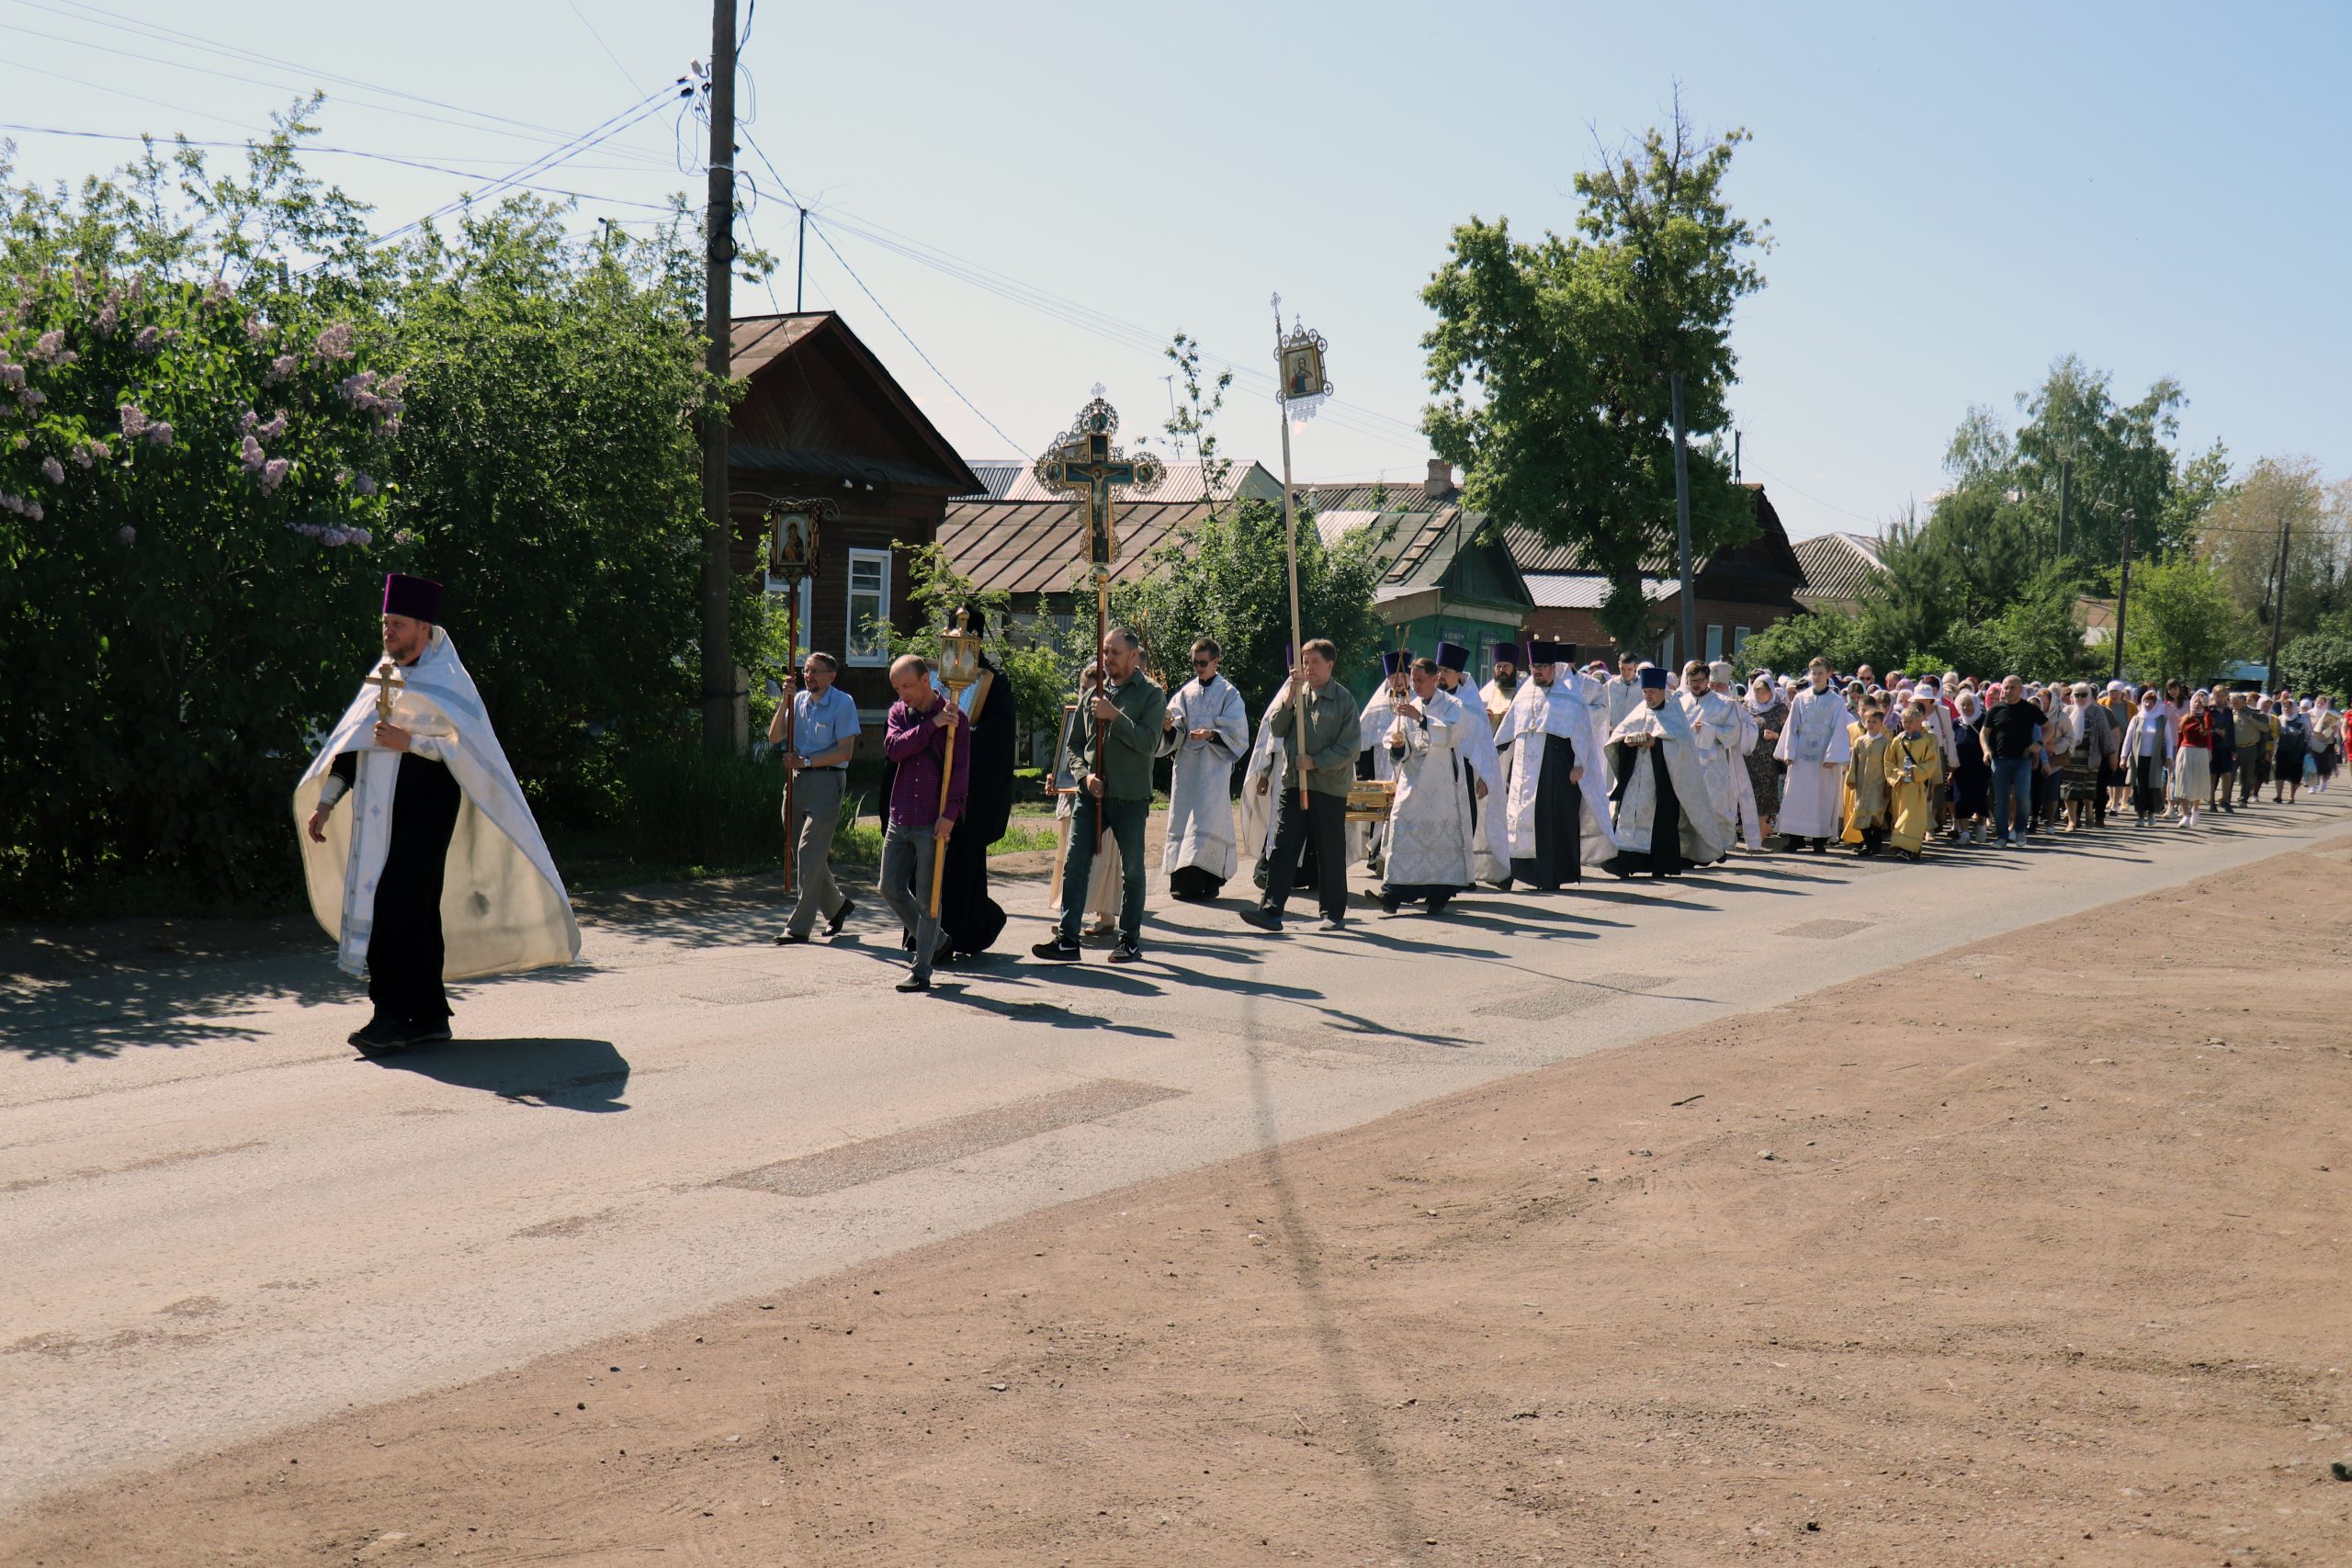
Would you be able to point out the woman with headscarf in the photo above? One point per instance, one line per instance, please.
(1972, 775)
(2294, 746)
(2325, 723)
(1769, 714)
(2147, 743)
(2049, 763)
(2085, 760)
(2192, 769)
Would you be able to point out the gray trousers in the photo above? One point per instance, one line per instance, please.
(907, 854)
(809, 830)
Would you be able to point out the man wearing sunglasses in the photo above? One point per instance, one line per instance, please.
(1207, 731)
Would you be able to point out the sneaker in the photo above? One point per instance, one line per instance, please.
(429, 1033)
(786, 938)
(1126, 952)
(1333, 923)
(1057, 949)
(833, 926)
(915, 983)
(380, 1034)
(1265, 920)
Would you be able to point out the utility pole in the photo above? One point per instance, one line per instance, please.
(801, 266)
(2277, 607)
(1682, 520)
(1734, 457)
(719, 274)
(2122, 596)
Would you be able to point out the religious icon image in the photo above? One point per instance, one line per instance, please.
(1302, 369)
(792, 545)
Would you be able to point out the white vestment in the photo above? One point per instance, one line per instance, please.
(1814, 745)
(1620, 697)
(502, 904)
(1714, 730)
(1428, 822)
(1668, 728)
(1200, 786)
(1475, 744)
(1538, 711)
(1751, 826)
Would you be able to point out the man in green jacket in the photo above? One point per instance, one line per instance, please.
(1126, 716)
(1326, 754)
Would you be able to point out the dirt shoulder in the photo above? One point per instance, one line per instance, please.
(2030, 1253)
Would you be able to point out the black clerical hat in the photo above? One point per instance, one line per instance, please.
(418, 598)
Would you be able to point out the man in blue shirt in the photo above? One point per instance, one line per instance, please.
(816, 728)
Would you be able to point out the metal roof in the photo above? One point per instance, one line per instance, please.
(1583, 591)
(1837, 565)
(831, 466)
(1035, 547)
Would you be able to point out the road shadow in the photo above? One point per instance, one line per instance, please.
(98, 1014)
(562, 1075)
(1046, 1013)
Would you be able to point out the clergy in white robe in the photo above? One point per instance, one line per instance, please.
(1498, 694)
(1482, 765)
(438, 872)
(1429, 838)
(1558, 811)
(1743, 742)
(1654, 781)
(1373, 761)
(1207, 732)
(1623, 693)
(1816, 746)
(1715, 729)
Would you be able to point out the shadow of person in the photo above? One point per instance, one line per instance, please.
(567, 1075)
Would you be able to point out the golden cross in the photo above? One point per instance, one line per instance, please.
(386, 679)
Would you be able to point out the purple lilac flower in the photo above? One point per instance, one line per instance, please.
(147, 339)
(134, 423)
(246, 421)
(279, 370)
(46, 348)
(363, 483)
(52, 470)
(33, 397)
(218, 293)
(334, 342)
(249, 452)
(275, 428)
(161, 432)
(256, 328)
(108, 319)
(274, 474)
(11, 374)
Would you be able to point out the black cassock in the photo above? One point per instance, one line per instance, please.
(1559, 821)
(404, 951)
(1663, 857)
(969, 919)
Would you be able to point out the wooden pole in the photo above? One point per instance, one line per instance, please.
(1290, 537)
(719, 270)
(792, 670)
(947, 777)
(1102, 634)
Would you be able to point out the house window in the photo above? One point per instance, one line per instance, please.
(870, 603)
(1714, 643)
(1739, 635)
(808, 611)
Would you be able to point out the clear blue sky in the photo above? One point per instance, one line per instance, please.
(1956, 197)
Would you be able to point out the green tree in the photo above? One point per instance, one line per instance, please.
(2039, 634)
(1549, 362)
(2319, 662)
(1227, 578)
(2180, 623)
(1788, 647)
(1194, 420)
(2240, 536)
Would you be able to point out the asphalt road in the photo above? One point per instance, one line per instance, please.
(219, 1222)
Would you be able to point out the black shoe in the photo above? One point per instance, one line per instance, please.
(915, 983)
(1333, 923)
(1126, 952)
(1821, 846)
(1265, 920)
(786, 938)
(380, 1034)
(431, 1033)
(1059, 950)
(1390, 903)
(833, 926)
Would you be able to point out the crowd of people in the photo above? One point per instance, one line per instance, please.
(1434, 785)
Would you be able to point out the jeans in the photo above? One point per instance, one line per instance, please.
(906, 856)
(1326, 821)
(1124, 820)
(2012, 795)
(809, 838)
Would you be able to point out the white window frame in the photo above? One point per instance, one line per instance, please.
(876, 658)
(1739, 635)
(808, 613)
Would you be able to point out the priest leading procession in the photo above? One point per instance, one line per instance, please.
(1523, 768)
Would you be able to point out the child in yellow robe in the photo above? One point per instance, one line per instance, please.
(1865, 793)
(1915, 775)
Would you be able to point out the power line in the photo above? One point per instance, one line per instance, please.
(592, 33)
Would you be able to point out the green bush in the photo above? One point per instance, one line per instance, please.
(2319, 663)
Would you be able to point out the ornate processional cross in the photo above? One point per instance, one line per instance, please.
(386, 681)
(1082, 461)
